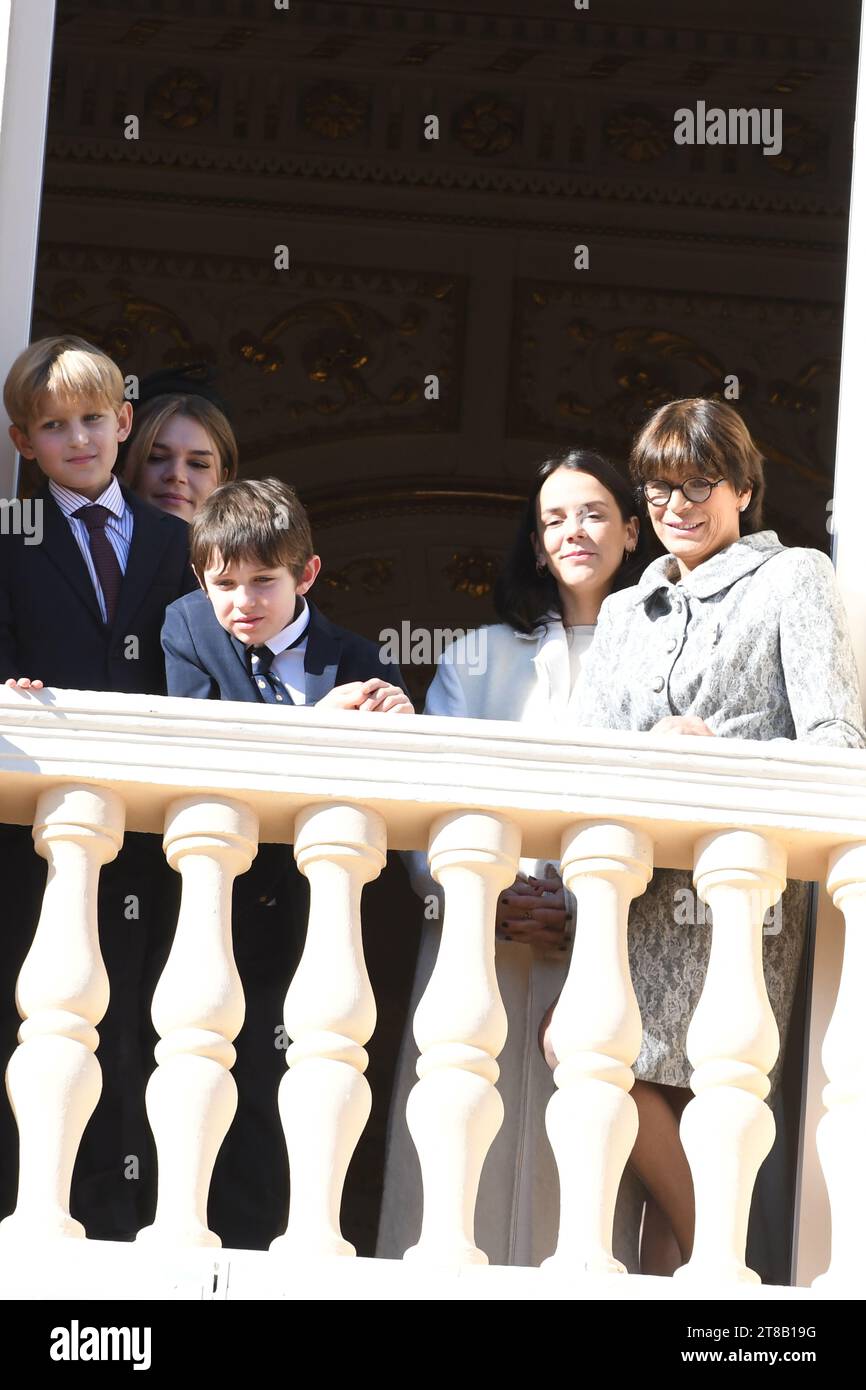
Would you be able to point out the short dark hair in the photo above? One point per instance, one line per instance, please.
(697, 437)
(523, 597)
(260, 519)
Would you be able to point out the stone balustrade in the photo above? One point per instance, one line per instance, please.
(343, 788)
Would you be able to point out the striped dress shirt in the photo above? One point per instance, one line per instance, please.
(118, 528)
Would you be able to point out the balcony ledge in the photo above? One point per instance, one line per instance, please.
(412, 770)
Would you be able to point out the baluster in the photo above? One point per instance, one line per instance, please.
(727, 1129)
(596, 1034)
(54, 1080)
(454, 1110)
(330, 1013)
(198, 1010)
(841, 1133)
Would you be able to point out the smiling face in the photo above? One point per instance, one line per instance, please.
(182, 469)
(252, 601)
(581, 537)
(694, 531)
(74, 441)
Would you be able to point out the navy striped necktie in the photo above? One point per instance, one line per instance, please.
(266, 681)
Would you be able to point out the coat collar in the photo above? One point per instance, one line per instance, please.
(719, 572)
(551, 660)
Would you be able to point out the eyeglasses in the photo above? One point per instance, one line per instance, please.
(657, 492)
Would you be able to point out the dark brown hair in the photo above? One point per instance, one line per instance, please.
(701, 438)
(260, 520)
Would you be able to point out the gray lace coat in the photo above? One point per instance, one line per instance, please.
(754, 642)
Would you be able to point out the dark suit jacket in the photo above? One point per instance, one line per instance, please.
(205, 662)
(50, 625)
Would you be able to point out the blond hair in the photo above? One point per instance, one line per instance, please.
(150, 418)
(66, 367)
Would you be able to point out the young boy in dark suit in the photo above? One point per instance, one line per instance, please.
(83, 609)
(251, 634)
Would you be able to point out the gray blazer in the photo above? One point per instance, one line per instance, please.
(755, 642)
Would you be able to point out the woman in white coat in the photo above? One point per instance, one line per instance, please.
(577, 542)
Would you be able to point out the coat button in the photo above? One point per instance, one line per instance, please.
(658, 685)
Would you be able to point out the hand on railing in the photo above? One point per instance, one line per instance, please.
(372, 696)
(682, 724)
(534, 911)
(23, 683)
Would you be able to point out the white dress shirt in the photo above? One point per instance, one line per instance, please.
(289, 664)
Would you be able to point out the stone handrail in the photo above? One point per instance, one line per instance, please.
(214, 779)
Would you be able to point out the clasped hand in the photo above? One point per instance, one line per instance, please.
(533, 911)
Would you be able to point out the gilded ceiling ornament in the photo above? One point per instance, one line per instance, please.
(661, 342)
(799, 396)
(335, 110)
(132, 319)
(804, 148)
(568, 403)
(181, 100)
(487, 126)
(471, 574)
(370, 573)
(637, 133)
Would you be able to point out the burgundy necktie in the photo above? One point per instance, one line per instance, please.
(105, 561)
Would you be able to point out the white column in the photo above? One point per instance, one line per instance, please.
(728, 1130)
(596, 1035)
(53, 1079)
(26, 30)
(454, 1111)
(330, 1013)
(842, 1131)
(198, 1010)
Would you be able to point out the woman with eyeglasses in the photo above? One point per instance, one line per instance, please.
(729, 634)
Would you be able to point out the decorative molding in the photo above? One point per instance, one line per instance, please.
(401, 217)
(546, 29)
(638, 133)
(321, 353)
(472, 573)
(371, 573)
(335, 505)
(335, 110)
(181, 100)
(672, 188)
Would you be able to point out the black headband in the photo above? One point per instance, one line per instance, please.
(191, 379)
